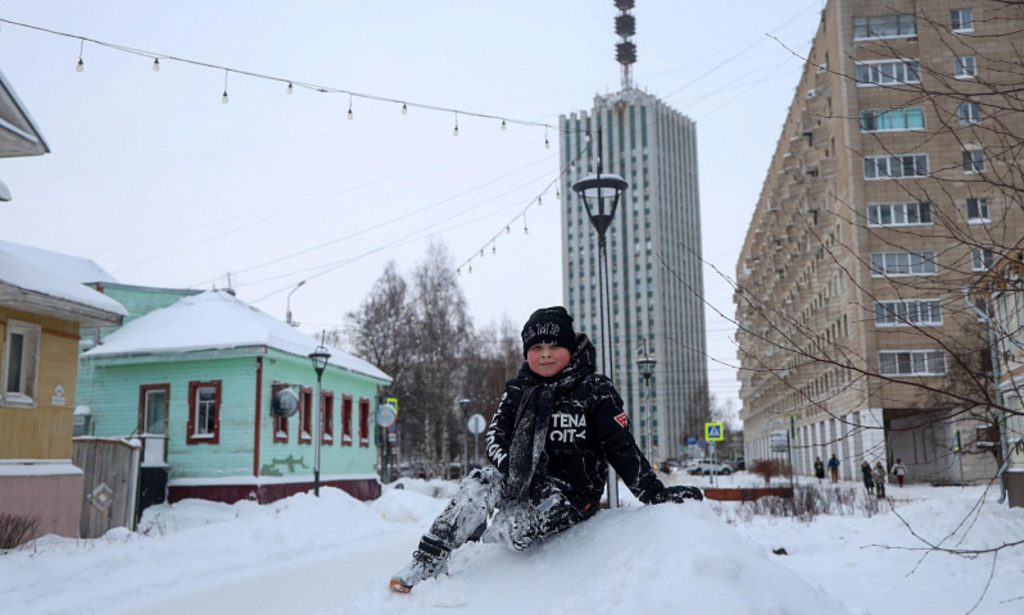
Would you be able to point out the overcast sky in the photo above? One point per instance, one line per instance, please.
(163, 185)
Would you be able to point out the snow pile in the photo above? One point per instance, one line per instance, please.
(335, 554)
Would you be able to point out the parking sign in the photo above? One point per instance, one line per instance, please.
(714, 432)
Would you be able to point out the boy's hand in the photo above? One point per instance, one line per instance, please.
(677, 494)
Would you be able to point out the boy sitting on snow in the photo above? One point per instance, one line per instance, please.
(557, 428)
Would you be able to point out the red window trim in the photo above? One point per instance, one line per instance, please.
(192, 389)
(327, 416)
(346, 420)
(306, 416)
(280, 422)
(364, 422)
(145, 388)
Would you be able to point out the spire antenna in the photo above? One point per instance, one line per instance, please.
(625, 50)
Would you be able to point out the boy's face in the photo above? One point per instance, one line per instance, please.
(546, 360)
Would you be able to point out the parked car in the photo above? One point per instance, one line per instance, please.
(668, 466)
(711, 467)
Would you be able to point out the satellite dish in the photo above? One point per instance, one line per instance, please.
(285, 403)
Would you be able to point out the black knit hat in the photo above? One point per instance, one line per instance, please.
(552, 325)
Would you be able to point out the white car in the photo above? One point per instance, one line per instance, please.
(711, 467)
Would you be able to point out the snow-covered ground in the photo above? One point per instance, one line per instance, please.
(335, 554)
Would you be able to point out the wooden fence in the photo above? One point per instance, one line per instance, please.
(110, 485)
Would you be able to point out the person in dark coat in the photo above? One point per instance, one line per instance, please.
(833, 468)
(557, 428)
(819, 469)
(869, 481)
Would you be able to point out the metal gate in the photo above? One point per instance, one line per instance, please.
(110, 485)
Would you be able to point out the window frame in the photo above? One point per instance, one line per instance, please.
(898, 319)
(875, 69)
(961, 65)
(982, 259)
(926, 355)
(973, 160)
(875, 221)
(305, 415)
(972, 118)
(903, 160)
(959, 19)
(327, 417)
(144, 390)
(364, 422)
(981, 206)
(866, 25)
(280, 427)
(194, 387)
(885, 272)
(28, 390)
(346, 420)
(877, 116)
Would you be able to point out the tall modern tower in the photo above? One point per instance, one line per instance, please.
(654, 250)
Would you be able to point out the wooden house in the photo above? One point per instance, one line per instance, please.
(41, 312)
(197, 382)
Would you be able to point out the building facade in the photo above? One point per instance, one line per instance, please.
(654, 255)
(886, 196)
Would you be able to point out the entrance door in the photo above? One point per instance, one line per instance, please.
(153, 404)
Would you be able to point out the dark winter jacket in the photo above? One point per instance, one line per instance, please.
(565, 430)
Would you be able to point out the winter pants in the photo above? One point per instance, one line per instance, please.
(880, 490)
(516, 524)
(835, 474)
(899, 477)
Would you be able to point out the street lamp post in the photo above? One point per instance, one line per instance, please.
(464, 406)
(288, 309)
(600, 194)
(646, 364)
(319, 359)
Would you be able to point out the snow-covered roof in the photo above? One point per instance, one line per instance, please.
(34, 283)
(79, 269)
(216, 320)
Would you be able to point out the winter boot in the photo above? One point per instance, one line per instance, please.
(428, 561)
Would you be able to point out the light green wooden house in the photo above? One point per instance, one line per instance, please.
(196, 380)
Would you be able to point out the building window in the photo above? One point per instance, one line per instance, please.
(895, 264)
(908, 313)
(912, 363)
(280, 422)
(327, 416)
(899, 214)
(21, 363)
(306, 416)
(346, 420)
(884, 120)
(895, 167)
(982, 259)
(153, 399)
(974, 160)
(364, 422)
(888, 72)
(961, 20)
(887, 26)
(203, 413)
(969, 113)
(964, 67)
(977, 211)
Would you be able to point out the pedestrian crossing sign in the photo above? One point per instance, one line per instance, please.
(714, 432)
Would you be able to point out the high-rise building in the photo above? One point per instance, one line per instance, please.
(894, 185)
(654, 251)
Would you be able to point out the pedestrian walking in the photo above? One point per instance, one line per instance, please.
(833, 468)
(869, 480)
(819, 468)
(900, 471)
(879, 477)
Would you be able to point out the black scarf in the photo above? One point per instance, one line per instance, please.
(533, 417)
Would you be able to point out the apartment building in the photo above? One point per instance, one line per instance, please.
(892, 188)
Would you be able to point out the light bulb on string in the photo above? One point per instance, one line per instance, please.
(547, 144)
(80, 66)
(156, 65)
(540, 201)
(572, 164)
(481, 252)
(224, 96)
(350, 115)
(508, 229)
(405, 109)
(458, 271)
(455, 131)
(526, 229)
(471, 268)
(586, 137)
(504, 125)
(494, 249)
(558, 194)
(291, 88)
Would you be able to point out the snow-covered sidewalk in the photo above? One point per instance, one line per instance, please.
(334, 555)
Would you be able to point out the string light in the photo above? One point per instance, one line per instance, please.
(508, 229)
(405, 109)
(350, 114)
(291, 88)
(455, 131)
(156, 65)
(481, 252)
(224, 97)
(547, 144)
(572, 164)
(494, 249)
(458, 271)
(503, 124)
(540, 201)
(526, 229)
(81, 63)
(586, 137)
(471, 267)
(558, 195)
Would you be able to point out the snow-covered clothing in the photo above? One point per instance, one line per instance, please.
(879, 476)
